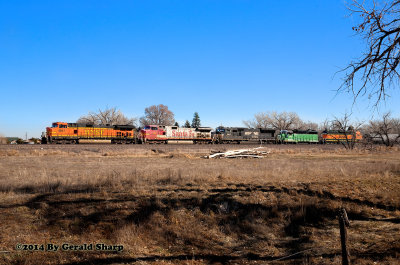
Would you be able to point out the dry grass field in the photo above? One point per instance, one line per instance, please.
(167, 205)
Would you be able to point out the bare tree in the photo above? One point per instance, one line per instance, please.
(324, 126)
(387, 129)
(348, 128)
(377, 68)
(307, 125)
(260, 121)
(276, 120)
(90, 118)
(110, 116)
(157, 115)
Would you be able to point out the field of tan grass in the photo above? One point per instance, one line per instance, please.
(168, 205)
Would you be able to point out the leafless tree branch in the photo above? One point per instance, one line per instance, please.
(347, 128)
(377, 69)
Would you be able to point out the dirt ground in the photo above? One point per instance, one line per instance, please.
(166, 204)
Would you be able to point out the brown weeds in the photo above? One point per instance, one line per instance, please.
(170, 206)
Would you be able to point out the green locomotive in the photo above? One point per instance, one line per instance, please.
(297, 136)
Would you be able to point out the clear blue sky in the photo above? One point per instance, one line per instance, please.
(226, 60)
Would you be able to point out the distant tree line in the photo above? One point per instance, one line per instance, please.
(155, 114)
(279, 121)
(109, 116)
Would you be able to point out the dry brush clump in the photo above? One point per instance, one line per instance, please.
(3, 140)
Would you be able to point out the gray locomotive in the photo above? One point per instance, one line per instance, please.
(227, 135)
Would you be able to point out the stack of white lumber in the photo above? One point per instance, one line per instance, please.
(241, 153)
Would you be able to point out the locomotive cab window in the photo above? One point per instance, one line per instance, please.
(55, 125)
(154, 128)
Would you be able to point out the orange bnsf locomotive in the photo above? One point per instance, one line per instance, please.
(338, 136)
(73, 133)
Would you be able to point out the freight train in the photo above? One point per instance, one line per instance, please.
(73, 133)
